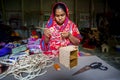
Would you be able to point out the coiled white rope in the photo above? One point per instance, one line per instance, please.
(31, 66)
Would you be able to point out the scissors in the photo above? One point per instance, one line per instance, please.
(94, 65)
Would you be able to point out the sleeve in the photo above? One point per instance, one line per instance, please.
(76, 32)
(43, 45)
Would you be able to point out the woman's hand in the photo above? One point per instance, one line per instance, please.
(47, 33)
(65, 34)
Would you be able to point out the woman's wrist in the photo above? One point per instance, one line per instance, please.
(46, 39)
(69, 34)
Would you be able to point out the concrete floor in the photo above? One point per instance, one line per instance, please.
(112, 57)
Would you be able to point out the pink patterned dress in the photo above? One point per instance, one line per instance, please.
(56, 41)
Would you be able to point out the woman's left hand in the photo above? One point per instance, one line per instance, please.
(65, 34)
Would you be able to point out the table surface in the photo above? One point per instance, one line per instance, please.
(66, 74)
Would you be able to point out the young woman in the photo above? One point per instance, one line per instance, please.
(60, 31)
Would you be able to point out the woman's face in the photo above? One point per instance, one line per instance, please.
(60, 16)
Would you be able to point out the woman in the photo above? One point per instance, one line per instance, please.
(59, 31)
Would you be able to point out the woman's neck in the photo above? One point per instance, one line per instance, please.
(59, 24)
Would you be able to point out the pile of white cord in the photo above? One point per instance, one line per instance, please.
(28, 67)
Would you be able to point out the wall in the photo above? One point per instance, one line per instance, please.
(33, 12)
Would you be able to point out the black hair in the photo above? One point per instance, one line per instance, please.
(59, 6)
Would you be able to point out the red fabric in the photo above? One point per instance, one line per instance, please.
(34, 32)
(87, 45)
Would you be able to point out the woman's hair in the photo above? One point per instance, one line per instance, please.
(59, 6)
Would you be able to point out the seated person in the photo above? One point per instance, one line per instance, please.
(60, 31)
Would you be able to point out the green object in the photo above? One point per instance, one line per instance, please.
(19, 49)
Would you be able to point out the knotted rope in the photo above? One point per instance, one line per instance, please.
(28, 67)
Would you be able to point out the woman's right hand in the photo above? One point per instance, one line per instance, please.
(47, 32)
